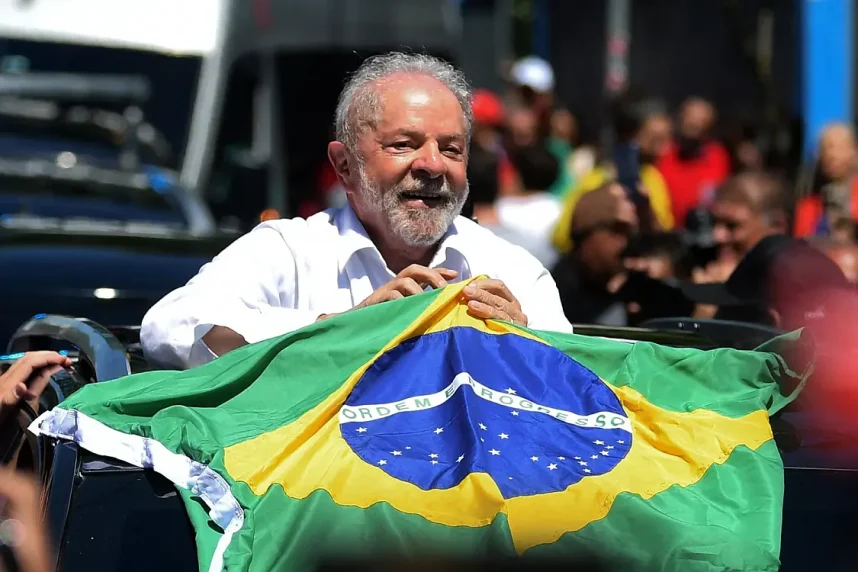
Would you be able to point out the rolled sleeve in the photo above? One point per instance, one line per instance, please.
(248, 288)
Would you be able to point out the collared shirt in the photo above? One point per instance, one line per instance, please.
(284, 274)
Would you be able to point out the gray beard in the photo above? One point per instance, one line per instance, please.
(415, 227)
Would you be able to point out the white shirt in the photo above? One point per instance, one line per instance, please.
(284, 274)
(528, 221)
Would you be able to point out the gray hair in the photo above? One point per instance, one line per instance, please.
(358, 105)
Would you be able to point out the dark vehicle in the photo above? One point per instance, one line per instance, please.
(92, 221)
(106, 515)
(79, 146)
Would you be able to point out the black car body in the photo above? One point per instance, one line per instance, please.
(104, 515)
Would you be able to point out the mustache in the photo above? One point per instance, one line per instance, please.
(437, 187)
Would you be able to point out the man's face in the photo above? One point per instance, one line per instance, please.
(836, 153)
(737, 229)
(654, 137)
(523, 126)
(696, 119)
(412, 179)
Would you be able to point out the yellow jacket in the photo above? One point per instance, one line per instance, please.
(653, 182)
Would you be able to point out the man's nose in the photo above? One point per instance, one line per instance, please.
(429, 162)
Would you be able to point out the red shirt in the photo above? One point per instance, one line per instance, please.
(687, 180)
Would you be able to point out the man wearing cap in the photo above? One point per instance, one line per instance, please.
(403, 128)
(589, 276)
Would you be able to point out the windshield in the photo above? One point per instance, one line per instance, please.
(172, 79)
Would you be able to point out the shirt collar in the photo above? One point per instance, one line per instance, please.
(354, 238)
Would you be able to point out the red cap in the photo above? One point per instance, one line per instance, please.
(487, 107)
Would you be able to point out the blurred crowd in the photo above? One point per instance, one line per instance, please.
(669, 204)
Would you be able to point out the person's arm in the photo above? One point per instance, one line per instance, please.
(245, 295)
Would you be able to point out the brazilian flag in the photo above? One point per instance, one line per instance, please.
(411, 428)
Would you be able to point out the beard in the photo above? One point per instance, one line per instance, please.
(416, 227)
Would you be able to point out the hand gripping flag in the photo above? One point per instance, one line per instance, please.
(412, 428)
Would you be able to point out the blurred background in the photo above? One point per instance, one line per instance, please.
(137, 140)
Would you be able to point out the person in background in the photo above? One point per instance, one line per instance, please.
(746, 209)
(694, 164)
(490, 171)
(533, 87)
(527, 217)
(561, 142)
(589, 276)
(644, 124)
(661, 255)
(832, 210)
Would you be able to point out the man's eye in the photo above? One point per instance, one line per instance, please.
(401, 145)
(453, 150)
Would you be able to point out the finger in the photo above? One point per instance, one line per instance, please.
(486, 311)
(407, 287)
(495, 287)
(437, 278)
(24, 367)
(38, 385)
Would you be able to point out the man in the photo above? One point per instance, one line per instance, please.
(695, 163)
(637, 122)
(589, 276)
(832, 211)
(781, 281)
(745, 209)
(403, 126)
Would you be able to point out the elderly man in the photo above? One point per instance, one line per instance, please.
(403, 125)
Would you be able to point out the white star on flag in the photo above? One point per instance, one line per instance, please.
(603, 453)
(494, 452)
(587, 470)
(483, 427)
(609, 447)
(408, 448)
(396, 453)
(577, 458)
(434, 462)
(582, 463)
(361, 429)
(510, 390)
(552, 467)
(503, 436)
(439, 430)
(382, 462)
(594, 456)
(597, 442)
(515, 413)
(459, 460)
(561, 458)
(534, 459)
(433, 455)
(621, 442)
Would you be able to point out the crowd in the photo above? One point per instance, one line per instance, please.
(669, 200)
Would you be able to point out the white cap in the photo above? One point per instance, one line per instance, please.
(535, 73)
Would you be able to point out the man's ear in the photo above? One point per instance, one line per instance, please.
(339, 157)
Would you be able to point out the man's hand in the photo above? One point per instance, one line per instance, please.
(409, 282)
(491, 299)
(38, 367)
(22, 522)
